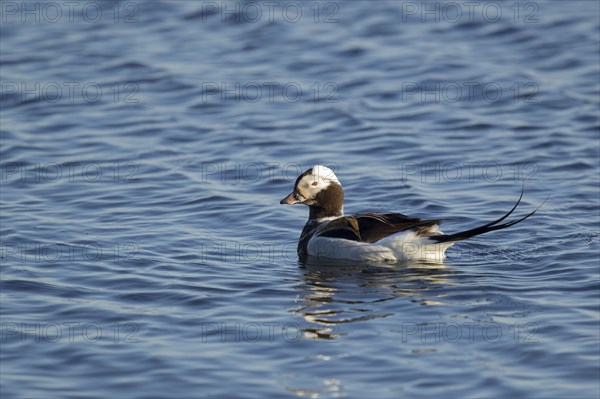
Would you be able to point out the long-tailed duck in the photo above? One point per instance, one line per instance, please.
(369, 236)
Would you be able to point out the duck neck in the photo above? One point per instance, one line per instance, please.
(328, 203)
(316, 212)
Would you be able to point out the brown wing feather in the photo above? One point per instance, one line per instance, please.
(375, 226)
(344, 227)
(371, 227)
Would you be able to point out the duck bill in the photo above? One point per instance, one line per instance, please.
(289, 200)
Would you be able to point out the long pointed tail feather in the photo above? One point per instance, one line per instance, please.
(486, 228)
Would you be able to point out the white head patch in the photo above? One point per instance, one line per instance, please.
(320, 178)
(321, 172)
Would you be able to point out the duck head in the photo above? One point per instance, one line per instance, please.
(320, 190)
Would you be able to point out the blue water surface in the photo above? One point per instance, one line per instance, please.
(145, 146)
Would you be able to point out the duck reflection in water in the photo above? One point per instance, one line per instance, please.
(335, 293)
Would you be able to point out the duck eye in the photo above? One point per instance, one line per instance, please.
(314, 183)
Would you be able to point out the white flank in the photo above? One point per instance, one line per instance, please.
(402, 246)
